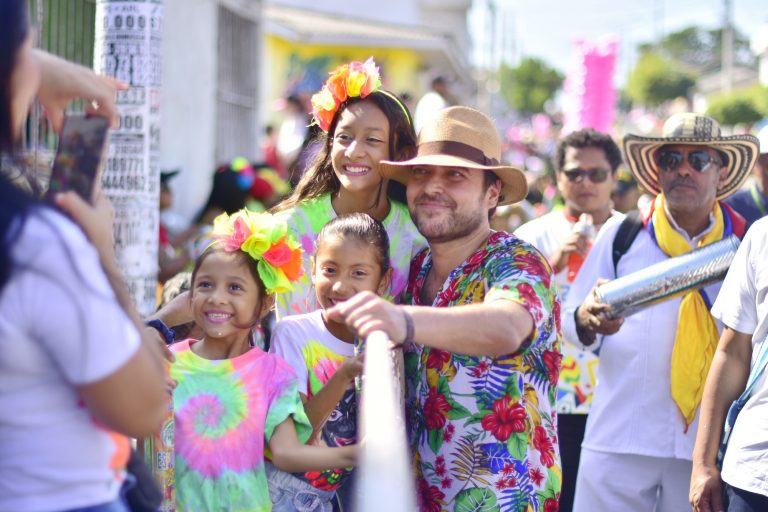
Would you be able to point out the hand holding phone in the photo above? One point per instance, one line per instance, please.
(79, 155)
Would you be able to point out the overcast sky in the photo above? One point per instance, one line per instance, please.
(545, 28)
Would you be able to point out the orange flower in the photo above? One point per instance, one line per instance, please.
(337, 84)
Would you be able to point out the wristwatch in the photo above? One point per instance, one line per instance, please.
(169, 335)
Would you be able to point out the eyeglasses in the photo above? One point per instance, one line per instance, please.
(670, 160)
(595, 175)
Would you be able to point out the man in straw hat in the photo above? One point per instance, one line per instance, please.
(639, 438)
(484, 373)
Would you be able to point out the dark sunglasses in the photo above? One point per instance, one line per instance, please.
(594, 175)
(669, 160)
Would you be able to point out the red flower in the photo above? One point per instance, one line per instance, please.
(474, 261)
(551, 505)
(440, 466)
(430, 497)
(556, 313)
(448, 434)
(508, 469)
(505, 419)
(537, 477)
(481, 369)
(437, 358)
(446, 482)
(531, 300)
(532, 262)
(552, 361)
(436, 408)
(542, 443)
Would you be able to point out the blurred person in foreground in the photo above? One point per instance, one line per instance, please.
(752, 202)
(76, 374)
(742, 306)
(585, 166)
(636, 454)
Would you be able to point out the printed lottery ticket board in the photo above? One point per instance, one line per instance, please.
(127, 47)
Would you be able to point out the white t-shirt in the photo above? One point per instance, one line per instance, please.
(60, 327)
(578, 374)
(743, 306)
(315, 355)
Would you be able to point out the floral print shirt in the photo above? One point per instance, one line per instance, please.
(484, 429)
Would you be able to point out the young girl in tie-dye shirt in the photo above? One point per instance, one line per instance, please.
(233, 400)
(351, 257)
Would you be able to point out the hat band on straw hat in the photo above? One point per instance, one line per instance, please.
(457, 149)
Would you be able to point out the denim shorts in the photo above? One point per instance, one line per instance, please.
(291, 494)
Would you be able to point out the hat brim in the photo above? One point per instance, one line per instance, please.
(742, 152)
(514, 185)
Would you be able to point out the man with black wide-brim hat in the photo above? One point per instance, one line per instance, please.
(639, 438)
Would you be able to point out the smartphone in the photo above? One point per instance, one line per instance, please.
(77, 165)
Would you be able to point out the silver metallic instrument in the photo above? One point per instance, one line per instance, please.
(691, 271)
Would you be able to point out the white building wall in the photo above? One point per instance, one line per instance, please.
(390, 11)
(187, 134)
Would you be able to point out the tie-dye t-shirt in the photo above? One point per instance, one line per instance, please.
(224, 413)
(305, 222)
(315, 355)
(485, 435)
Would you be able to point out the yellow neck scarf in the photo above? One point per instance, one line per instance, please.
(697, 336)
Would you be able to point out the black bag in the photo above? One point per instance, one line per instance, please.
(144, 495)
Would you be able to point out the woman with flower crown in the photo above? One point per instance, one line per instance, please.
(361, 125)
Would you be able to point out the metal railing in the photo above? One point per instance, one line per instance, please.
(385, 477)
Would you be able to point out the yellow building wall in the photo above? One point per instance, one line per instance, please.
(295, 66)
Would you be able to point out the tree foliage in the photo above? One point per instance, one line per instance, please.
(700, 49)
(735, 108)
(656, 79)
(529, 85)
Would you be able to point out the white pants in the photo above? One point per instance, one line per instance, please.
(610, 482)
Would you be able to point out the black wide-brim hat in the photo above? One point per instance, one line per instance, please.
(697, 130)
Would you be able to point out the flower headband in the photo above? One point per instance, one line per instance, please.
(265, 239)
(354, 80)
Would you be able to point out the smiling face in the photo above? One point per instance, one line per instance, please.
(343, 267)
(226, 299)
(449, 203)
(688, 190)
(360, 142)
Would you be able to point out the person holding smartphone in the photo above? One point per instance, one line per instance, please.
(77, 372)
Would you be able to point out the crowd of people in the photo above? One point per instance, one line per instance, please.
(523, 391)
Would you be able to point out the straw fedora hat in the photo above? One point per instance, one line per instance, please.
(697, 130)
(461, 137)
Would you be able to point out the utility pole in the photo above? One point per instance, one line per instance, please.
(726, 69)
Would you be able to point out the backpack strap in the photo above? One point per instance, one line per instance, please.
(628, 230)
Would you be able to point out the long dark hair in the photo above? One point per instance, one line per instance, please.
(14, 204)
(320, 179)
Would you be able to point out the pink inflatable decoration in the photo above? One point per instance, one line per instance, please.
(589, 95)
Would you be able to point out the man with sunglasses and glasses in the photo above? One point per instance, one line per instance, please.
(752, 202)
(585, 164)
(639, 438)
